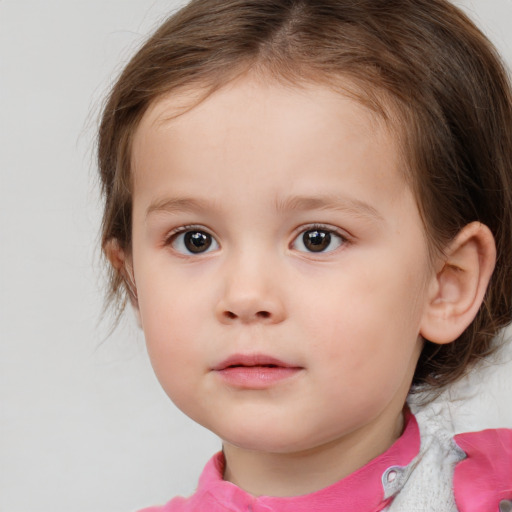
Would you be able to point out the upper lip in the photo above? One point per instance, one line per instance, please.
(252, 360)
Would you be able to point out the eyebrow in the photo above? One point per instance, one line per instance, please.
(329, 202)
(293, 203)
(179, 204)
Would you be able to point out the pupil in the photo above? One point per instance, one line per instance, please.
(197, 241)
(316, 241)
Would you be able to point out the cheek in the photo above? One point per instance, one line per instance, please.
(172, 321)
(369, 324)
(176, 357)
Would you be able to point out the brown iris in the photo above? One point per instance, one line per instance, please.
(316, 240)
(197, 241)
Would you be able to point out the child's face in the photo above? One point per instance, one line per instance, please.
(273, 226)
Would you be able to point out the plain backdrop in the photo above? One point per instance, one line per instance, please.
(84, 426)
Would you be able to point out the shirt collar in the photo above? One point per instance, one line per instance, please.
(369, 489)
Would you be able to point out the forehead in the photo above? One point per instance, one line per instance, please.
(260, 85)
(250, 107)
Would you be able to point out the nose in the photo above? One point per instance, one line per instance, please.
(250, 294)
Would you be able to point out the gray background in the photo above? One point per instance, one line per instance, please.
(84, 426)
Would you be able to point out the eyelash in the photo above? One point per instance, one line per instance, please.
(329, 231)
(172, 238)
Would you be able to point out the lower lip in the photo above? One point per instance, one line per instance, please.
(256, 377)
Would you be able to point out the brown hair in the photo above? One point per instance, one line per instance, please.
(442, 77)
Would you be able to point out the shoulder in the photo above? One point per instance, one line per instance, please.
(177, 504)
(202, 499)
(471, 421)
(468, 472)
(483, 480)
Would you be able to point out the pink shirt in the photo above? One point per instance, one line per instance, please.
(482, 481)
(362, 491)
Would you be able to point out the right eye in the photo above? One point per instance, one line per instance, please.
(193, 241)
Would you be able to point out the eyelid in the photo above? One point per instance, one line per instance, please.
(342, 233)
(170, 238)
(183, 229)
(336, 231)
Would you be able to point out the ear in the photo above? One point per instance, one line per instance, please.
(122, 264)
(457, 289)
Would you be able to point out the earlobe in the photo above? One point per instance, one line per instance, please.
(115, 255)
(122, 264)
(459, 287)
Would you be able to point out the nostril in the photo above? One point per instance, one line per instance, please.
(260, 314)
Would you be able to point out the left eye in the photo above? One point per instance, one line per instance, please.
(318, 240)
(194, 241)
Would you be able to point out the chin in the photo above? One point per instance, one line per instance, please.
(266, 440)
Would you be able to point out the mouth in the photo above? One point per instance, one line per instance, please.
(251, 361)
(254, 371)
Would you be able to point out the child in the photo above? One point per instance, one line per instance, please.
(309, 206)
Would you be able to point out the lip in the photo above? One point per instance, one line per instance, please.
(254, 371)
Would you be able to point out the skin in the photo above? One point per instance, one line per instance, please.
(254, 167)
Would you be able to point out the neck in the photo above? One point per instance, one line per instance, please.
(303, 472)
